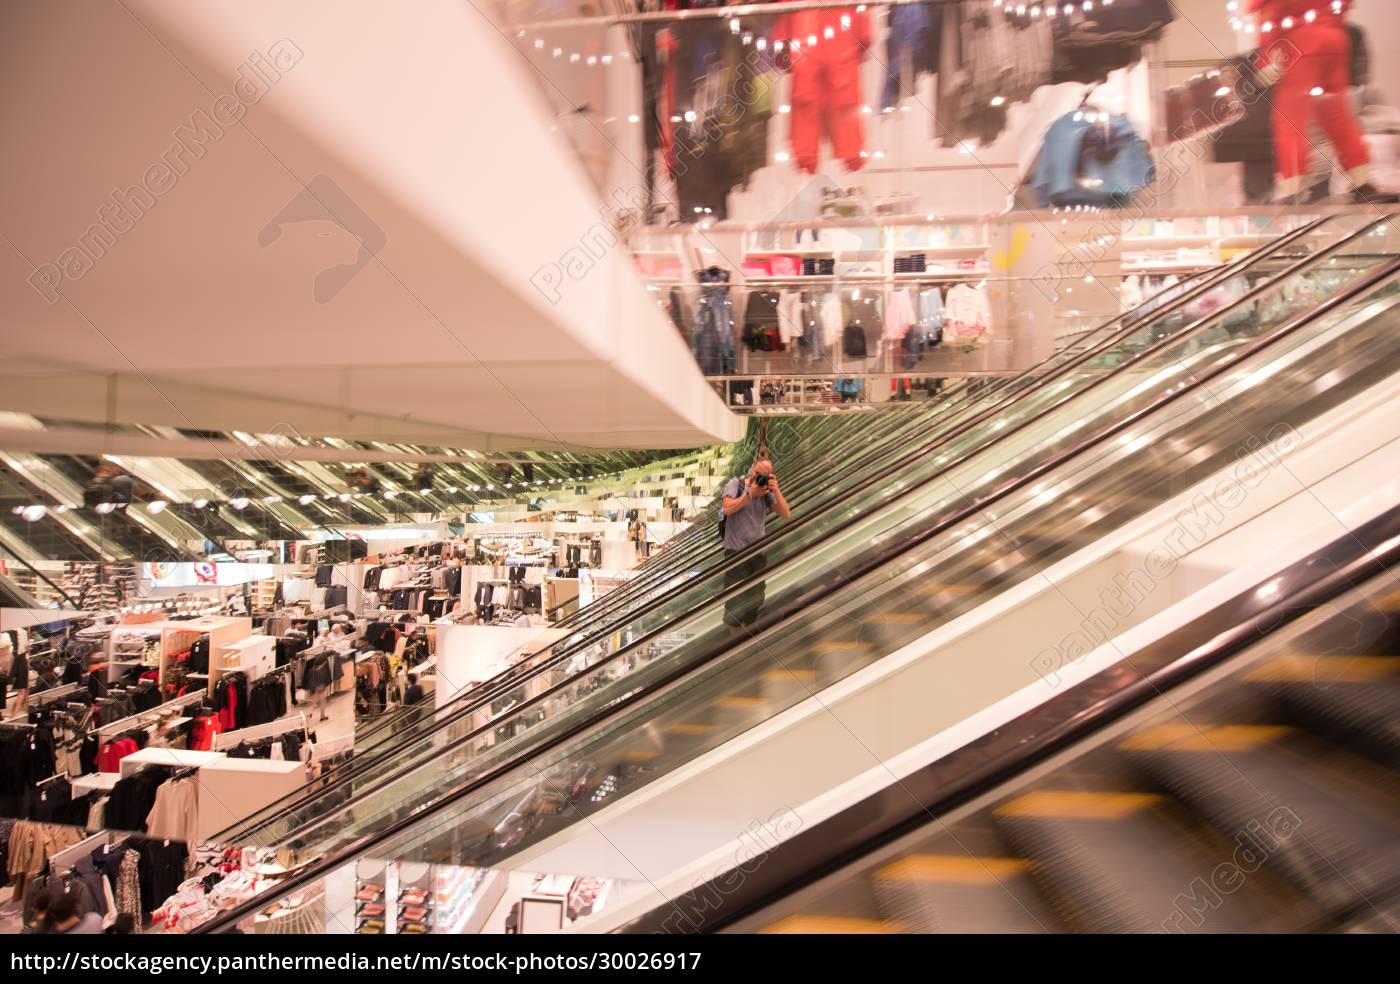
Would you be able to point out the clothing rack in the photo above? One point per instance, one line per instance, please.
(332, 746)
(53, 694)
(69, 856)
(229, 739)
(60, 775)
(154, 714)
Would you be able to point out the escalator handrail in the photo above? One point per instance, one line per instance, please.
(620, 705)
(978, 769)
(515, 677)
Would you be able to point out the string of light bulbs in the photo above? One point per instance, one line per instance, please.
(760, 42)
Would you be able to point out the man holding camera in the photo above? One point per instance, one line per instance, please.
(746, 504)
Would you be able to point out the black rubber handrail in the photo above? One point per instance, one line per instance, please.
(481, 696)
(770, 623)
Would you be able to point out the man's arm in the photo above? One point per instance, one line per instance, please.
(733, 504)
(777, 500)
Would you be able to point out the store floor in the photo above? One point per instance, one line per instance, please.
(340, 709)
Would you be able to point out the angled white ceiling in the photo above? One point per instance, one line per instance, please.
(415, 128)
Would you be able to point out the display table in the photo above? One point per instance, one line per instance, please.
(94, 782)
(179, 758)
(233, 789)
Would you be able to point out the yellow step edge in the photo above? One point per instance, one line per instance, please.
(842, 925)
(787, 676)
(688, 729)
(840, 646)
(957, 869)
(1205, 738)
(1301, 668)
(742, 702)
(1078, 804)
(640, 755)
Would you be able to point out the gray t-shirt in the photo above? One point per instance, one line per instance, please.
(745, 526)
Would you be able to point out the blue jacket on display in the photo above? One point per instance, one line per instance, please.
(1091, 158)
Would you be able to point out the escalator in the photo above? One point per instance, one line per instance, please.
(1236, 777)
(806, 454)
(687, 618)
(1070, 461)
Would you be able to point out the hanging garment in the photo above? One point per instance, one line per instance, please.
(833, 320)
(1312, 58)
(1091, 158)
(991, 58)
(826, 46)
(931, 316)
(899, 316)
(790, 315)
(967, 316)
(1090, 43)
(911, 49)
(853, 341)
(714, 326)
(761, 331)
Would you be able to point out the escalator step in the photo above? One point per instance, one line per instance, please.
(1322, 822)
(961, 893)
(1351, 699)
(840, 925)
(1193, 738)
(1125, 862)
(1077, 804)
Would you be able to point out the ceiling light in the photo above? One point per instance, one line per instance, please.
(306, 500)
(32, 514)
(201, 503)
(239, 503)
(103, 508)
(156, 505)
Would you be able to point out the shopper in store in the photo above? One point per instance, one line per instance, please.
(746, 504)
(423, 478)
(18, 664)
(62, 917)
(38, 920)
(413, 693)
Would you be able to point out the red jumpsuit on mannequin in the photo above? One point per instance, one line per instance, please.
(827, 45)
(1305, 44)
